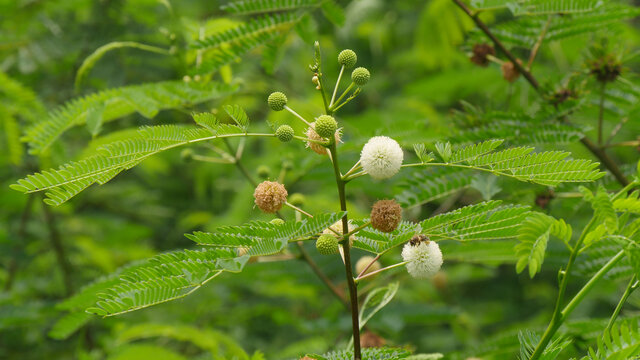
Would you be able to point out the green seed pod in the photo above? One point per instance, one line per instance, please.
(347, 58)
(360, 76)
(277, 101)
(326, 126)
(284, 133)
(277, 221)
(327, 244)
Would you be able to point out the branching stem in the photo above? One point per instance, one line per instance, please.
(335, 89)
(631, 287)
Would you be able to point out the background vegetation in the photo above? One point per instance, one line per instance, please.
(423, 89)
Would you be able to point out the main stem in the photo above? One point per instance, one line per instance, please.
(353, 290)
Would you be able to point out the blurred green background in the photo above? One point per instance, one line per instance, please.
(423, 88)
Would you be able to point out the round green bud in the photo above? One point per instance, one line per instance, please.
(263, 171)
(277, 221)
(187, 155)
(297, 199)
(326, 126)
(284, 133)
(360, 76)
(327, 244)
(347, 58)
(277, 101)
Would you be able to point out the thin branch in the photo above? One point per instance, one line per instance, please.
(373, 273)
(58, 249)
(536, 47)
(335, 89)
(499, 45)
(631, 287)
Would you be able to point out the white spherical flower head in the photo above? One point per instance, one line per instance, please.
(381, 157)
(423, 259)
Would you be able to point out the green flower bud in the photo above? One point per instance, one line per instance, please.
(263, 171)
(277, 221)
(297, 199)
(277, 101)
(347, 58)
(284, 133)
(187, 155)
(326, 126)
(327, 244)
(360, 76)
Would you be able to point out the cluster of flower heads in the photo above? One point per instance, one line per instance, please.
(381, 158)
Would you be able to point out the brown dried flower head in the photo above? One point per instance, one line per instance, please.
(386, 215)
(369, 340)
(606, 68)
(313, 135)
(509, 71)
(270, 196)
(480, 53)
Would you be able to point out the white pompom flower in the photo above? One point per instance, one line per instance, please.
(381, 157)
(424, 259)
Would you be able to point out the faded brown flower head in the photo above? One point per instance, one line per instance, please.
(480, 53)
(386, 215)
(509, 71)
(364, 261)
(606, 68)
(270, 196)
(369, 339)
(313, 135)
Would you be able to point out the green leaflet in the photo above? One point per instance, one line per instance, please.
(146, 99)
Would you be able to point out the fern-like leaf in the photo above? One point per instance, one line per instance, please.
(546, 168)
(253, 29)
(72, 178)
(431, 184)
(367, 354)
(484, 221)
(621, 343)
(145, 99)
(165, 277)
(252, 7)
(263, 238)
(533, 236)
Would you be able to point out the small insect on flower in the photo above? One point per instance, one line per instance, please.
(284, 133)
(347, 58)
(360, 76)
(326, 126)
(270, 196)
(386, 215)
(381, 157)
(327, 244)
(277, 101)
(423, 257)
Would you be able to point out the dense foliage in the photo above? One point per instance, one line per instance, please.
(193, 180)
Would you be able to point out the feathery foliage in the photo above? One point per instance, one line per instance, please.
(533, 236)
(484, 221)
(250, 7)
(431, 184)
(70, 179)
(622, 342)
(367, 354)
(107, 105)
(521, 163)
